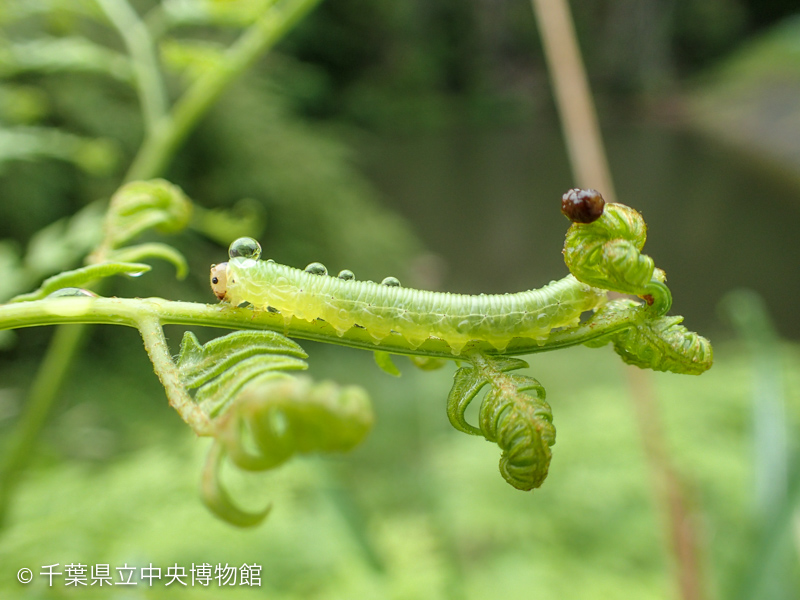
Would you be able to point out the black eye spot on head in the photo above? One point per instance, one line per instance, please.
(582, 206)
(215, 280)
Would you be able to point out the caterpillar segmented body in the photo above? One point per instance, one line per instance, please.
(387, 307)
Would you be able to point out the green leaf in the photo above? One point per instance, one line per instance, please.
(283, 417)
(427, 363)
(153, 250)
(520, 423)
(192, 58)
(217, 499)
(95, 156)
(82, 277)
(65, 54)
(223, 366)
(142, 205)
(661, 344)
(384, 361)
(228, 13)
(606, 253)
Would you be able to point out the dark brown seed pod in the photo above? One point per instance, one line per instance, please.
(582, 206)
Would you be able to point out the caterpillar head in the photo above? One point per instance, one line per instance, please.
(219, 280)
(582, 206)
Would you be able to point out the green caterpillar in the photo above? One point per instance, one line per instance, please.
(387, 307)
(417, 315)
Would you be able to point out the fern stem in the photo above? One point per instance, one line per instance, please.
(135, 35)
(131, 312)
(156, 345)
(158, 148)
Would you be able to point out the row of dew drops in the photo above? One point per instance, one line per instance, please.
(247, 247)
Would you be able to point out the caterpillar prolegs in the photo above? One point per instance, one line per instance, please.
(388, 307)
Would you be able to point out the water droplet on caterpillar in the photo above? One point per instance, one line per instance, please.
(391, 282)
(316, 268)
(346, 274)
(70, 292)
(246, 247)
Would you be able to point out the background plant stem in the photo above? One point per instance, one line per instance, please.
(158, 148)
(143, 54)
(590, 168)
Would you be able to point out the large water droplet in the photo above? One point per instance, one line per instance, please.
(316, 268)
(346, 274)
(69, 292)
(246, 247)
(391, 281)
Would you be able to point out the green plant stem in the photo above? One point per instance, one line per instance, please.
(132, 311)
(56, 364)
(152, 333)
(171, 131)
(149, 85)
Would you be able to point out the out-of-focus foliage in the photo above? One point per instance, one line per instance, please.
(318, 207)
(66, 95)
(415, 512)
(432, 62)
(752, 98)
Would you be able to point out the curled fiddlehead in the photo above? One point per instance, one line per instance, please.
(605, 251)
(658, 343)
(210, 368)
(137, 207)
(513, 414)
(260, 414)
(134, 208)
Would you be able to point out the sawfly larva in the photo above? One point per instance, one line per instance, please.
(388, 307)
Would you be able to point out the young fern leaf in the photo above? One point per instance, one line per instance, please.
(153, 250)
(82, 277)
(142, 205)
(65, 54)
(661, 344)
(513, 414)
(605, 251)
(427, 363)
(385, 363)
(222, 367)
(96, 156)
(272, 420)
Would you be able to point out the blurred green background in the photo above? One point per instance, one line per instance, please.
(420, 139)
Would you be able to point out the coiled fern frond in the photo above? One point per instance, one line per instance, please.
(661, 343)
(513, 414)
(260, 414)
